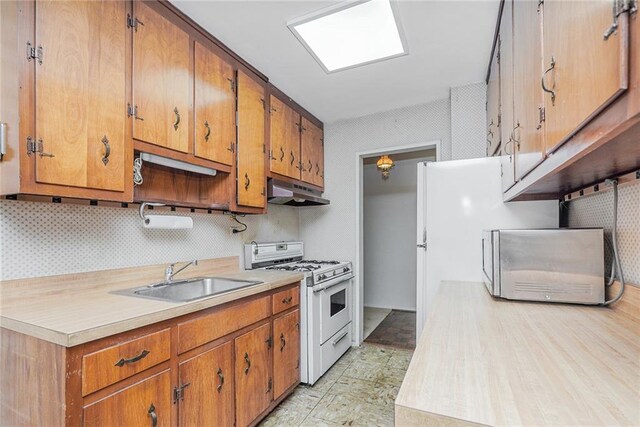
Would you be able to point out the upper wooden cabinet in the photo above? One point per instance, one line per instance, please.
(285, 139)
(528, 107)
(80, 93)
(161, 80)
(584, 69)
(251, 185)
(215, 107)
(493, 104)
(507, 123)
(312, 148)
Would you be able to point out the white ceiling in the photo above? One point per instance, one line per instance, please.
(449, 45)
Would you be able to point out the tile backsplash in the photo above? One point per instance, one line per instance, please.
(44, 239)
(597, 211)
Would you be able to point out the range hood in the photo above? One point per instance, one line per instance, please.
(285, 193)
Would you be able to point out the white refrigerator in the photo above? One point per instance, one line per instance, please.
(456, 201)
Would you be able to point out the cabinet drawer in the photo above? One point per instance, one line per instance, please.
(286, 299)
(209, 327)
(110, 365)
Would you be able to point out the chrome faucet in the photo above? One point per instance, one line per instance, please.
(169, 273)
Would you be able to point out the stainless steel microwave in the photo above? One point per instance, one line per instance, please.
(552, 265)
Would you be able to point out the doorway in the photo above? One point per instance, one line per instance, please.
(385, 261)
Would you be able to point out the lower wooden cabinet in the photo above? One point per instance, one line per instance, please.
(142, 378)
(253, 380)
(286, 352)
(208, 399)
(147, 403)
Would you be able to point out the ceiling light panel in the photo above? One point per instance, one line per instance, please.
(351, 34)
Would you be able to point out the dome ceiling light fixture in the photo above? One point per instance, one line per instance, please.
(385, 164)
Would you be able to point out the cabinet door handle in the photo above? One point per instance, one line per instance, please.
(317, 169)
(231, 147)
(107, 150)
(124, 361)
(247, 181)
(221, 378)
(544, 86)
(177, 122)
(281, 153)
(248, 362)
(283, 342)
(154, 417)
(516, 140)
(208, 128)
(293, 158)
(310, 166)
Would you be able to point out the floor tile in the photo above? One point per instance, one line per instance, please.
(398, 329)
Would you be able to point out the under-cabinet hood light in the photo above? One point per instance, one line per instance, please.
(351, 33)
(177, 164)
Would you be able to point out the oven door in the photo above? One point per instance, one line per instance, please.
(335, 307)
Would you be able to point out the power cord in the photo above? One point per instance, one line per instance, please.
(235, 218)
(616, 268)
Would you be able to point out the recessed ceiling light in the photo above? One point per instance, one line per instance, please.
(351, 34)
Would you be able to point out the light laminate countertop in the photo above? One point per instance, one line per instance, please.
(496, 362)
(74, 309)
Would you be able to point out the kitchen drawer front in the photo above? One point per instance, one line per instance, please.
(286, 299)
(335, 347)
(209, 327)
(110, 365)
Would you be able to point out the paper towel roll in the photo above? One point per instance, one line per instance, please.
(167, 222)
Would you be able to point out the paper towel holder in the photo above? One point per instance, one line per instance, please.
(143, 206)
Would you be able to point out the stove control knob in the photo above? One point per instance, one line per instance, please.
(321, 277)
(345, 270)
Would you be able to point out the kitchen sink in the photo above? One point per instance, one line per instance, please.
(188, 289)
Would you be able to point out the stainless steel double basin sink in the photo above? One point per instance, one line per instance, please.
(188, 289)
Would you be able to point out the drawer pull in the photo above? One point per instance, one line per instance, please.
(283, 342)
(221, 377)
(287, 300)
(123, 361)
(248, 362)
(337, 340)
(154, 417)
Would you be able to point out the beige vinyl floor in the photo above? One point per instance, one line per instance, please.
(359, 390)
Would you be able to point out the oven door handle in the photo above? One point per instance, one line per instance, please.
(315, 291)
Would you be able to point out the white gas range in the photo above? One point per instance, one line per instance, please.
(325, 302)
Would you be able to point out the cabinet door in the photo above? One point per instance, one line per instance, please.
(589, 70)
(493, 104)
(285, 139)
(506, 95)
(253, 382)
(80, 93)
(215, 107)
(528, 110)
(251, 143)
(147, 403)
(312, 154)
(161, 89)
(286, 352)
(209, 398)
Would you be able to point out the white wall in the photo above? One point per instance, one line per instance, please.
(389, 236)
(43, 239)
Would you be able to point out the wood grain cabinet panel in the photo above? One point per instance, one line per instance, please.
(506, 95)
(147, 403)
(80, 94)
(251, 185)
(110, 365)
(215, 107)
(209, 396)
(286, 352)
(589, 70)
(254, 387)
(493, 105)
(286, 299)
(312, 147)
(161, 80)
(285, 139)
(528, 108)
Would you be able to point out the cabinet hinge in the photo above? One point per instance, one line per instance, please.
(34, 53)
(269, 342)
(499, 119)
(620, 7)
(133, 22)
(540, 3)
(178, 392)
(298, 364)
(237, 118)
(264, 149)
(36, 147)
(232, 84)
(270, 385)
